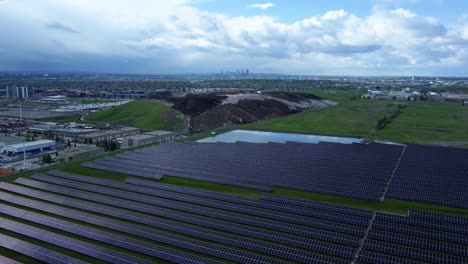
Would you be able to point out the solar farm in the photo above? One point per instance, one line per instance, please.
(62, 217)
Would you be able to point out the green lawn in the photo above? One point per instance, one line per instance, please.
(147, 114)
(423, 122)
(418, 122)
(350, 118)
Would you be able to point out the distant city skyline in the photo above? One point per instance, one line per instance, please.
(297, 37)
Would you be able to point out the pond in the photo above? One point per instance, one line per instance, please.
(265, 137)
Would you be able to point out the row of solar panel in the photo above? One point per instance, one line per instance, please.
(321, 209)
(316, 205)
(439, 217)
(162, 237)
(270, 169)
(419, 238)
(318, 180)
(213, 224)
(33, 251)
(182, 158)
(159, 173)
(422, 243)
(422, 232)
(295, 155)
(321, 165)
(69, 243)
(220, 237)
(447, 227)
(129, 171)
(411, 252)
(6, 260)
(239, 208)
(373, 257)
(434, 175)
(444, 199)
(370, 193)
(104, 236)
(209, 212)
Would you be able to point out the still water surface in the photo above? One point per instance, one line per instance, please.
(265, 137)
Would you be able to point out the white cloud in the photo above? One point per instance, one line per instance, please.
(171, 36)
(262, 6)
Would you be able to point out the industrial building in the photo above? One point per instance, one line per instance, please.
(108, 134)
(55, 98)
(72, 134)
(31, 146)
(148, 138)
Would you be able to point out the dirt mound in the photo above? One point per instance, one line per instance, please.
(195, 104)
(210, 111)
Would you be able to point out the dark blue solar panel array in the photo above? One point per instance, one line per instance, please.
(346, 215)
(193, 230)
(72, 244)
(315, 245)
(254, 245)
(317, 205)
(174, 240)
(119, 168)
(103, 236)
(5, 260)
(33, 251)
(191, 204)
(421, 237)
(351, 170)
(435, 175)
(156, 206)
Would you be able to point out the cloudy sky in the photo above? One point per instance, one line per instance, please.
(346, 37)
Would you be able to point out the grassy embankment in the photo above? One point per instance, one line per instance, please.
(145, 114)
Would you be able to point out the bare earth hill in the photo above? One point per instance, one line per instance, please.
(210, 111)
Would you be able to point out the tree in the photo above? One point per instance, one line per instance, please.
(47, 159)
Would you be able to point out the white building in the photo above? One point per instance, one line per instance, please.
(38, 145)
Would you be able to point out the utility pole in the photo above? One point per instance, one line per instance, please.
(24, 145)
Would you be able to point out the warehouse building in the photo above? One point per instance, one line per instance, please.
(149, 138)
(91, 138)
(31, 146)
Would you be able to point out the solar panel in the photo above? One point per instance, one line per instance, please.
(34, 251)
(360, 171)
(137, 230)
(193, 218)
(104, 236)
(176, 226)
(189, 202)
(69, 243)
(6, 260)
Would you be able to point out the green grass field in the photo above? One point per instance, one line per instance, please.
(350, 118)
(424, 122)
(142, 114)
(418, 122)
